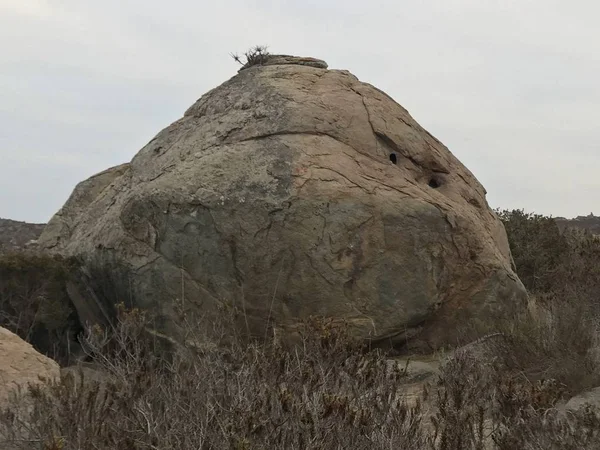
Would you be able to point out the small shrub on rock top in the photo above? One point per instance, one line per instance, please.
(255, 56)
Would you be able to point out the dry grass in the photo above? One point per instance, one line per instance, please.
(330, 392)
(255, 56)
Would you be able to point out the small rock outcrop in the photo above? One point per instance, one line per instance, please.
(281, 60)
(293, 190)
(591, 398)
(21, 364)
(15, 235)
(589, 224)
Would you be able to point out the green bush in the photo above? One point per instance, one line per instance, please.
(551, 262)
(537, 246)
(34, 303)
(561, 270)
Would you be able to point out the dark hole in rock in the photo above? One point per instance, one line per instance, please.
(434, 183)
(393, 158)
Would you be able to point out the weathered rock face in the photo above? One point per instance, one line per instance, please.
(20, 365)
(59, 229)
(591, 397)
(292, 190)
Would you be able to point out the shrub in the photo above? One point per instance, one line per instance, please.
(255, 56)
(107, 282)
(543, 429)
(537, 246)
(562, 273)
(34, 303)
(487, 405)
(327, 393)
(551, 263)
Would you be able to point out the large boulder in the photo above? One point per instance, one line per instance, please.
(293, 190)
(21, 365)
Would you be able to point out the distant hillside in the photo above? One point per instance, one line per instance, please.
(590, 223)
(14, 235)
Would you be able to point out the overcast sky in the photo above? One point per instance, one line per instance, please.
(512, 87)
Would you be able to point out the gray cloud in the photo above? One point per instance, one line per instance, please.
(510, 87)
